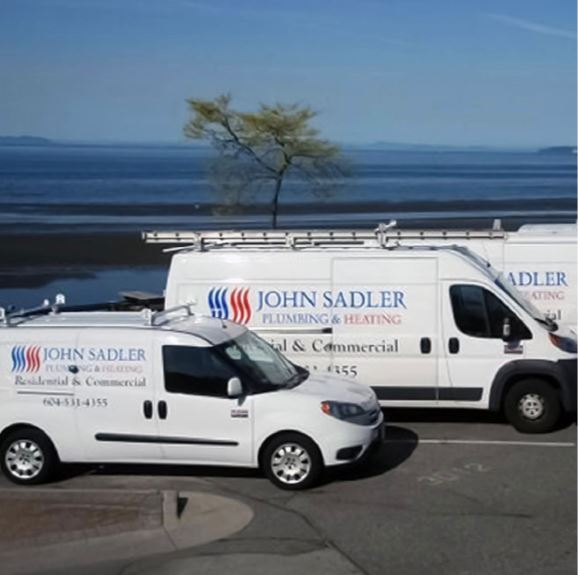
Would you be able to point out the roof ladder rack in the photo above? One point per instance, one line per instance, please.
(7, 316)
(383, 236)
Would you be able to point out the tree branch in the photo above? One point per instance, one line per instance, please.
(245, 147)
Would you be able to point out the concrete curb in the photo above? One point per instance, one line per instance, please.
(204, 518)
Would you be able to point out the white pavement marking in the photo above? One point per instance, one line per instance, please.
(489, 442)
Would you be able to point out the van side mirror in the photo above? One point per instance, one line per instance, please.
(234, 387)
(506, 329)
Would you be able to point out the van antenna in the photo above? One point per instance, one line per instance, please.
(59, 300)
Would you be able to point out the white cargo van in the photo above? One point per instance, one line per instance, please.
(423, 326)
(171, 387)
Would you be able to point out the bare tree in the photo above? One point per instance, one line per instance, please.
(258, 150)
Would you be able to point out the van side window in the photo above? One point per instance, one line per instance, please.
(195, 371)
(479, 313)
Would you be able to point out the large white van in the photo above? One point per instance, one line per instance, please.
(171, 387)
(424, 326)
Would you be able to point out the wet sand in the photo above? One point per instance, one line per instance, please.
(35, 259)
(100, 218)
(334, 206)
(77, 250)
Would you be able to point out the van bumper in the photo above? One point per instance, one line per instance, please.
(359, 444)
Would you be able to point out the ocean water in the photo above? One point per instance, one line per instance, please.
(100, 188)
(67, 189)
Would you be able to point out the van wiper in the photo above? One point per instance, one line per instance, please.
(552, 324)
(549, 323)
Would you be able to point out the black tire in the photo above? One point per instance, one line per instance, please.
(299, 467)
(40, 458)
(533, 406)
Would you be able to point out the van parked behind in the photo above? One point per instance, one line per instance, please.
(425, 326)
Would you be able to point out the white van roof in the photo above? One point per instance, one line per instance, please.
(179, 319)
(548, 228)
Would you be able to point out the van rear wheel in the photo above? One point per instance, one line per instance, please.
(532, 406)
(27, 457)
(292, 461)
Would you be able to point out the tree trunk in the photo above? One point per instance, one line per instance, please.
(275, 207)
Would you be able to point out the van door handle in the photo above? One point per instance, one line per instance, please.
(454, 345)
(425, 345)
(162, 407)
(147, 408)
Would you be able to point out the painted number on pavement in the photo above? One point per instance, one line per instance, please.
(453, 474)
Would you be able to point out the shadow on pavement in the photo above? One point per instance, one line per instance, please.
(440, 415)
(399, 445)
(416, 415)
(71, 471)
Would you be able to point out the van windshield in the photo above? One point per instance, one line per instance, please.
(266, 367)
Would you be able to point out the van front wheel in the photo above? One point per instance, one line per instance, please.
(532, 406)
(28, 457)
(292, 461)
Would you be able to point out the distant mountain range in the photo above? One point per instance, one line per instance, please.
(378, 146)
(38, 141)
(25, 141)
(403, 147)
(558, 150)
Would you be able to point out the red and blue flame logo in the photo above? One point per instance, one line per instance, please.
(234, 306)
(26, 359)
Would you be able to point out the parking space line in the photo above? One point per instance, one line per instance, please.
(496, 442)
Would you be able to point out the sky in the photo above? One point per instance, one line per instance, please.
(454, 72)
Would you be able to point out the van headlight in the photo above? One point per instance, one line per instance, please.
(341, 410)
(564, 343)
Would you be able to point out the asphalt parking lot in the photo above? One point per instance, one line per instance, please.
(449, 493)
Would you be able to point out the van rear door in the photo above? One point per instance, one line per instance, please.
(386, 327)
(37, 386)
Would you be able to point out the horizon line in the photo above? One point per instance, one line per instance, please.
(200, 144)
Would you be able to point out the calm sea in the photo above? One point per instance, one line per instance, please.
(90, 188)
(66, 189)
